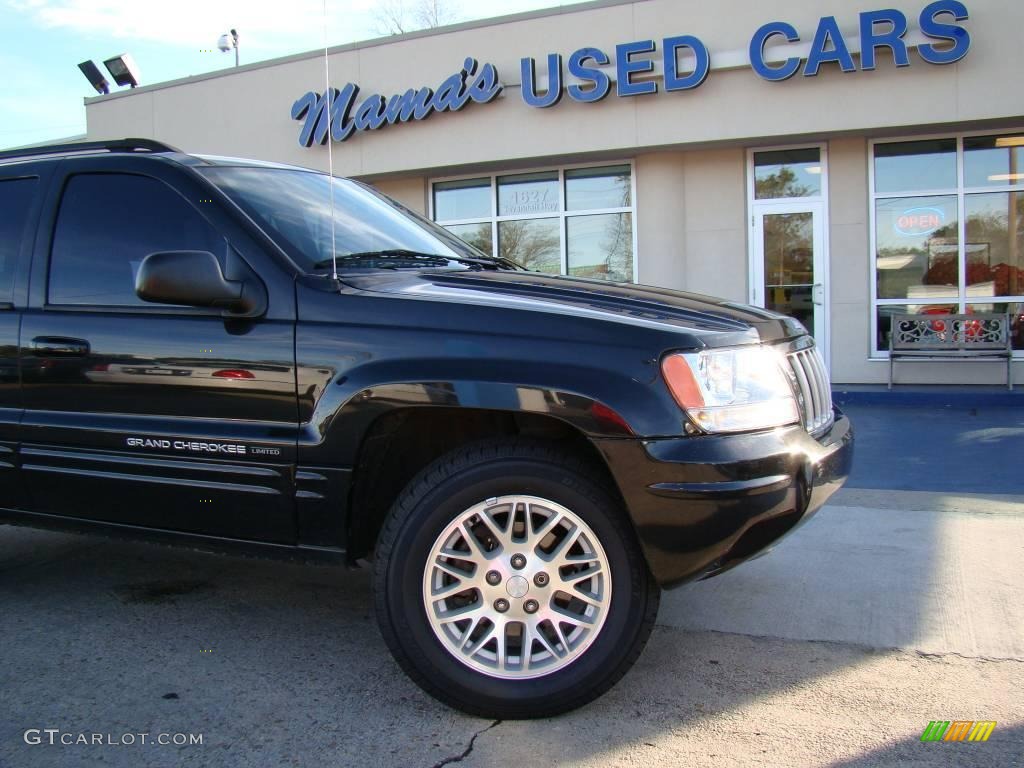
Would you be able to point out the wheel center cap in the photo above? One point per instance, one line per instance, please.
(517, 586)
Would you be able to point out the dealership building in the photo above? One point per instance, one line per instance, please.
(839, 161)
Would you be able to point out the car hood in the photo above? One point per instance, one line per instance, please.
(725, 321)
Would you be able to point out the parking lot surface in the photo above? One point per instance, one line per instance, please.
(893, 607)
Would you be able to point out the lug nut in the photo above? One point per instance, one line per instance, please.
(541, 579)
(531, 606)
(501, 605)
(518, 562)
(493, 578)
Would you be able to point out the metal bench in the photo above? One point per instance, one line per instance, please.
(979, 335)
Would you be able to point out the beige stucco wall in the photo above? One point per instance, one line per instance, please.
(689, 148)
(716, 244)
(248, 112)
(660, 222)
(410, 192)
(849, 263)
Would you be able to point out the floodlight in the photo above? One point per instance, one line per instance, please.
(93, 75)
(123, 69)
(228, 41)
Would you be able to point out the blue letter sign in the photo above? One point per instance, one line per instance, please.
(757, 43)
(891, 39)
(335, 107)
(529, 79)
(956, 34)
(578, 68)
(673, 80)
(338, 114)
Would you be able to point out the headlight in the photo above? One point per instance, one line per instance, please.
(731, 390)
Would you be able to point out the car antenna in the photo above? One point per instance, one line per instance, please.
(330, 151)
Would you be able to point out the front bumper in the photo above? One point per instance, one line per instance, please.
(702, 505)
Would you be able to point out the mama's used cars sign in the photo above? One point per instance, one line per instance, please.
(942, 41)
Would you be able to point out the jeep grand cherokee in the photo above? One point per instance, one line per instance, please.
(210, 351)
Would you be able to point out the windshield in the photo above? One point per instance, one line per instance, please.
(294, 208)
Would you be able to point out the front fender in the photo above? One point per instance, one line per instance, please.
(388, 353)
(599, 403)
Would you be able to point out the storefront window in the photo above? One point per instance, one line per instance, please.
(787, 173)
(915, 166)
(995, 240)
(528, 193)
(465, 199)
(534, 243)
(576, 221)
(922, 264)
(917, 247)
(477, 235)
(1015, 309)
(601, 246)
(589, 188)
(993, 161)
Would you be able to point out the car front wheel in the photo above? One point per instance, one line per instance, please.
(510, 584)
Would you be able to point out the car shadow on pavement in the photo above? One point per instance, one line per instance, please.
(281, 664)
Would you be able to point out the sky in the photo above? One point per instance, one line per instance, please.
(42, 42)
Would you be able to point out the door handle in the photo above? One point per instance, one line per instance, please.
(818, 294)
(59, 346)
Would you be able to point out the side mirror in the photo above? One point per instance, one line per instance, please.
(195, 279)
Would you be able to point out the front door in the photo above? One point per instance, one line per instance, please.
(145, 414)
(18, 205)
(788, 269)
(788, 194)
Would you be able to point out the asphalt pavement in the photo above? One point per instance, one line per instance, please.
(898, 604)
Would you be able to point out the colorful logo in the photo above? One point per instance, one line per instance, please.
(915, 222)
(958, 730)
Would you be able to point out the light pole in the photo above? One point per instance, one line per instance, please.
(1013, 287)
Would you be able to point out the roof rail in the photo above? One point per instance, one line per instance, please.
(110, 145)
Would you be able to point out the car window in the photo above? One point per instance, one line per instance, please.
(106, 226)
(294, 208)
(15, 201)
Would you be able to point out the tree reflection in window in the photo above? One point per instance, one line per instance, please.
(532, 243)
(576, 220)
(787, 173)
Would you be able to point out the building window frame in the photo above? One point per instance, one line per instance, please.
(961, 192)
(752, 199)
(562, 214)
(754, 205)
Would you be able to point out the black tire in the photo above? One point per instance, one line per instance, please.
(447, 488)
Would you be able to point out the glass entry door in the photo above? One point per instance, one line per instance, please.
(788, 269)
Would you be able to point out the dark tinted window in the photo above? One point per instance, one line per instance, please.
(108, 223)
(15, 200)
(294, 208)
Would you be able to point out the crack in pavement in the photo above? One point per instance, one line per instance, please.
(864, 647)
(468, 749)
(957, 654)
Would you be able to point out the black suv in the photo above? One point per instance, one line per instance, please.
(228, 353)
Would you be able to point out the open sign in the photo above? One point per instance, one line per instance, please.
(914, 222)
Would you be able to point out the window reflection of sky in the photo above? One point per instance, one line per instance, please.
(915, 166)
(295, 207)
(993, 161)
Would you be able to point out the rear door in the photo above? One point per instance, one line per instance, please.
(151, 415)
